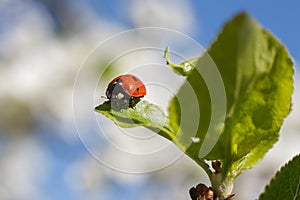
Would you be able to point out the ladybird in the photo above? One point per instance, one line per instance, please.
(125, 91)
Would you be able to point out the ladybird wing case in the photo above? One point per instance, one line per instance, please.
(132, 85)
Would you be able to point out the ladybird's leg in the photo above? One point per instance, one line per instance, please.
(133, 101)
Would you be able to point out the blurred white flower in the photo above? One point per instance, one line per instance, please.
(174, 14)
(24, 166)
(85, 175)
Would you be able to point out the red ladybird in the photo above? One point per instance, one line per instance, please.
(125, 91)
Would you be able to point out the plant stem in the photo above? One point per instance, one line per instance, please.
(222, 187)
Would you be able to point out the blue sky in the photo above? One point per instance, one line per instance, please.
(280, 17)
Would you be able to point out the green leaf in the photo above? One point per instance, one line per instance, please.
(184, 68)
(147, 115)
(258, 76)
(285, 184)
(143, 114)
(257, 73)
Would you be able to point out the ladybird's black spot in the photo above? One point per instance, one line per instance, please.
(134, 78)
(138, 89)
